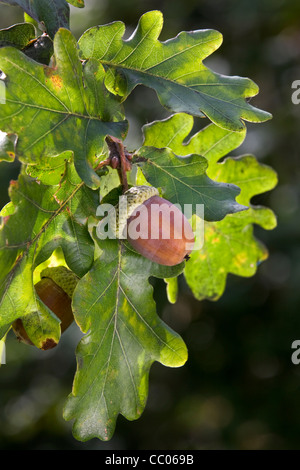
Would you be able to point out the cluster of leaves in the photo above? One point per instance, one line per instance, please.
(61, 103)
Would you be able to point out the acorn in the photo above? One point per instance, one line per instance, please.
(154, 227)
(55, 289)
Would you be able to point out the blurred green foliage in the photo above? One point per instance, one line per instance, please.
(239, 388)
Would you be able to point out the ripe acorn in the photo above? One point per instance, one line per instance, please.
(156, 228)
(55, 289)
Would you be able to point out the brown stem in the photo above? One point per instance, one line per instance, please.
(124, 181)
(103, 163)
(117, 153)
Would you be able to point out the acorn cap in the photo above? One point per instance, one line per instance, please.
(63, 277)
(135, 196)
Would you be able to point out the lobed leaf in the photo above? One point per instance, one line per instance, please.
(38, 220)
(113, 305)
(18, 35)
(229, 244)
(174, 69)
(183, 181)
(59, 109)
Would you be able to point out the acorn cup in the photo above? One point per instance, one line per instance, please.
(155, 228)
(55, 289)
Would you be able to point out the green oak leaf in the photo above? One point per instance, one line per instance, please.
(183, 180)
(212, 142)
(54, 110)
(23, 37)
(174, 69)
(54, 14)
(37, 221)
(18, 299)
(113, 305)
(52, 170)
(18, 35)
(229, 245)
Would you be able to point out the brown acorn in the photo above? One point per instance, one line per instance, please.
(156, 228)
(55, 290)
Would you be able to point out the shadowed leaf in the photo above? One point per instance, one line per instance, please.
(18, 35)
(183, 181)
(174, 69)
(53, 13)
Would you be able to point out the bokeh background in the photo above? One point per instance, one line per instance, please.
(239, 388)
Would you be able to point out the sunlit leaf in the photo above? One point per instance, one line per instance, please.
(38, 220)
(229, 245)
(53, 110)
(76, 3)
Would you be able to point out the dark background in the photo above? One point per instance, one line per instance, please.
(239, 388)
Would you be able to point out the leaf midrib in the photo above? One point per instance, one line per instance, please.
(189, 87)
(192, 188)
(57, 111)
